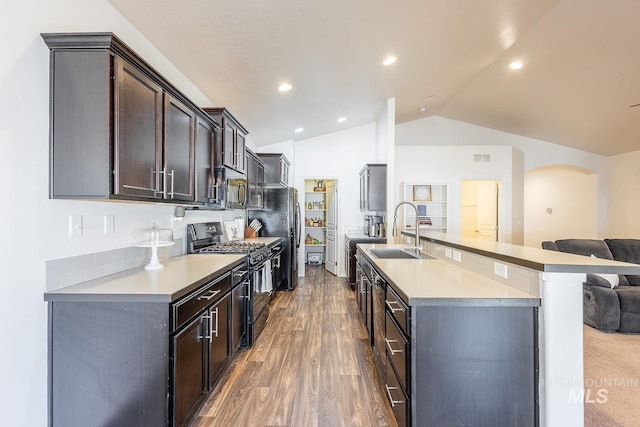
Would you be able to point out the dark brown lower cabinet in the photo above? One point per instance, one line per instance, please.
(189, 360)
(141, 362)
(456, 363)
(219, 343)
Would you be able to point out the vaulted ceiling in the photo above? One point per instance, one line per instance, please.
(579, 81)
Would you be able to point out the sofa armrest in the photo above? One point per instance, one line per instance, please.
(601, 308)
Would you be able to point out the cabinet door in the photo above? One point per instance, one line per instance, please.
(241, 164)
(219, 347)
(205, 179)
(138, 133)
(189, 385)
(178, 150)
(228, 144)
(239, 315)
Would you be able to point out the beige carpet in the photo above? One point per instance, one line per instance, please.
(612, 379)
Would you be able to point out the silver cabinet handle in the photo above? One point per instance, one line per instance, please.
(391, 350)
(240, 273)
(393, 310)
(211, 324)
(393, 402)
(172, 176)
(212, 293)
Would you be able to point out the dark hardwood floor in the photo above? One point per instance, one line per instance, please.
(311, 366)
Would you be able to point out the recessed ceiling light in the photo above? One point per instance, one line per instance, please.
(389, 60)
(342, 119)
(430, 97)
(299, 130)
(285, 87)
(423, 109)
(515, 65)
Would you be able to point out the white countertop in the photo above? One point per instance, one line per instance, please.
(180, 276)
(266, 240)
(437, 282)
(534, 258)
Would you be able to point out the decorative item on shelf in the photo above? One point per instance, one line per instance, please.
(155, 238)
(231, 230)
(308, 240)
(310, 206)
(422, 193)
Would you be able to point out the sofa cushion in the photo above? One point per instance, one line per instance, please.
(588, 247)
(629, 297)
(626, 250)
(549, 245)
(612, 278)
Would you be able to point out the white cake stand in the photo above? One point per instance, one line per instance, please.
(154, 263)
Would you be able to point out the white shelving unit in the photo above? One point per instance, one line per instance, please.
(431, 200)
(315, 231)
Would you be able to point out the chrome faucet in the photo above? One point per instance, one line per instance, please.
(394, 230)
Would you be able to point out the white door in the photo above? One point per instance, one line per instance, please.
(331, 260)
(488, 210)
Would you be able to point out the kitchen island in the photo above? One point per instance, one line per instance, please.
(451, 346)
(145, 347)
(553, 278)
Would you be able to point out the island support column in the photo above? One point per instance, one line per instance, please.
(561, 350)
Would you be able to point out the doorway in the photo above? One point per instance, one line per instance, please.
(481, 209)
(321, 223)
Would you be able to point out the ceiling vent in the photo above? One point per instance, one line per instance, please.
(482, 158)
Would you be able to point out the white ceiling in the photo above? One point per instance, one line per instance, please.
(581, 68)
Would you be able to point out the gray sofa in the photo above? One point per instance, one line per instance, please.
(608, 309)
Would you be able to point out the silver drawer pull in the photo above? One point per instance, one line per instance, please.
(212, 293)
(391, 350)
(393, 402)
(240, 272)
(206, 336)
(393, 310)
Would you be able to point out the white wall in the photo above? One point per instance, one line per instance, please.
(452, 165)
(534, 154)
(623, 196)
(339, 156)
(572, 196)
(34, 227)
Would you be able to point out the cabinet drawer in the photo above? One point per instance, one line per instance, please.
(397, 351)
(192, 304)
(398, 309)
(397, 398)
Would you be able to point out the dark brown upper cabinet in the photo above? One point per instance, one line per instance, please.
(233, 142)
(255, 181)
(119, 130)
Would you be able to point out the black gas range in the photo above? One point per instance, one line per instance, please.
(205, 238)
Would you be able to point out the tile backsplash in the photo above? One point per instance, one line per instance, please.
(77, 269)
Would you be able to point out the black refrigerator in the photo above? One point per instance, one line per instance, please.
(281, 218)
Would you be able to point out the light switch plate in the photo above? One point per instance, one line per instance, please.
(447, 252)
(109, 224)
(457, 256)
(75, 225)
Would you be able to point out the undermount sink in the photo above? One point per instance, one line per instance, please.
(400, 253)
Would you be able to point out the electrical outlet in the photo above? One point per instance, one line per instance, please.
(447, 252)
(109, 224)
(500, 269)
(75, 225)
(457, 256)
